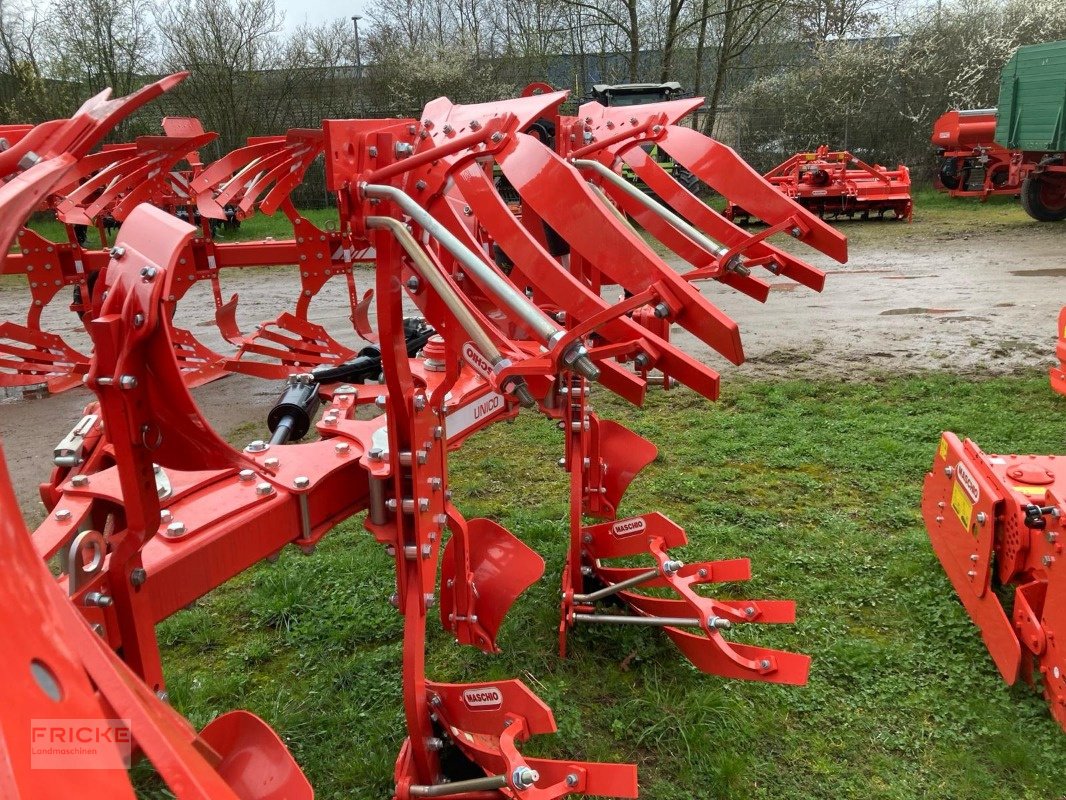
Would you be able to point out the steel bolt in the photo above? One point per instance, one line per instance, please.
(138, 320)
(258, 446)
(302, 482)
(341, 448)
(662, 311)
(497, 137)
(138, 576)
(246, 475)
(63, 514)
(264, 489)
(524, 777)
(949, 471)
(420, 185)
(414, 284)
(764, 664)
(98, 599)
(80, 480)
(434, 743)
(571, 779)
(271, 463)
(148, 274)
(175, 529)
(127, 382)
(117, 252)
(420, 402)
(982, 517)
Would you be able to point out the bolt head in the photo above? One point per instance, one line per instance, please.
(63, 514)
(301, 482)
(138, 576)
(264, 489)
(175, 528)
(258, 446)
(80, 480)
(246, 475)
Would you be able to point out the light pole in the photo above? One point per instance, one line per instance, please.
(358, 58)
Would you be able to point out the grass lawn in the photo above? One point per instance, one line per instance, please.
(818, 482)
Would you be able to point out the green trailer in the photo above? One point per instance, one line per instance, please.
(1031, 121)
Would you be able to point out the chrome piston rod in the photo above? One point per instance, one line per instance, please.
(660, 210)
(500, 288)
(427, 270)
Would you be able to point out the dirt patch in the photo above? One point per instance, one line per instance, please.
(910, 299)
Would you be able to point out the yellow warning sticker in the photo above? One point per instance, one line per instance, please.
(1032, 491)
(961, 505)
(943, 448)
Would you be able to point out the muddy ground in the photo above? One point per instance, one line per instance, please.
(933, 295)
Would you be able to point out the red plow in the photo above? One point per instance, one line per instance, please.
(998, 522)
(150, 509)
(838, 184)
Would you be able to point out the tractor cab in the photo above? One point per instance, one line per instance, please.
(635, 94)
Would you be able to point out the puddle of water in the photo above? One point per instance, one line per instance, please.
(1047, 272)
(893, 312)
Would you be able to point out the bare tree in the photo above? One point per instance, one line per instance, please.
(229, 51)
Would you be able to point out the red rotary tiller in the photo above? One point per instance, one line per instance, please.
(837, 184)
(1000, 521)
(150, 509)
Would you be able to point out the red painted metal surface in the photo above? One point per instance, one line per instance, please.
(837, 184)
(971, 163)
(151, 509)
(998, 520)
(1058, 374)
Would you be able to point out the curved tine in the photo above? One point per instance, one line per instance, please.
(247, 175)
(717, 656)
(108, 113)
(361, 318)
(281, 190)
(559, 196)
(114, 193)
(684, 247)
(91, 164)
(241, 186)
(220, 171)
(728, 174)
(103, 179)
(564, 289)
(220, 174)
(706, 218)
(266, 182)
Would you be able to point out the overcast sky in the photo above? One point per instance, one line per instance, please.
(317, 11)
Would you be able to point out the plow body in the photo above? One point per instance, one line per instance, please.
(838, 184)
(150, 509)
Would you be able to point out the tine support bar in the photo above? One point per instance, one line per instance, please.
(659, 209)
(656, 622)
(486, 784)
(628, 583)
(503, 291)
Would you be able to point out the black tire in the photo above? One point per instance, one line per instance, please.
(1044, 199)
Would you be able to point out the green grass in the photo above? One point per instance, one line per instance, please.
(818, 482)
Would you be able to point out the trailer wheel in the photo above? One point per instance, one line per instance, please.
(1044, 198)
